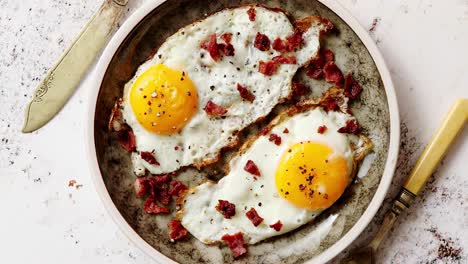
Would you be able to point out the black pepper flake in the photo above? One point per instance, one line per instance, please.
(261, 186)
(160, 56)
(144, 96)
(238, 69)
(182, 78)
(212, 87)
(260, 204)
(325, 196)
(302, 187)
(189, 93)
(183, 73)
(287, 193)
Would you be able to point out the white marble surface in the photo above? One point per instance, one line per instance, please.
(43, 220)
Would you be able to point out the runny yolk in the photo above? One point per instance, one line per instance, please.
(310, 176)
(163, 100)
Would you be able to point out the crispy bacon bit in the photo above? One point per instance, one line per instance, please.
(351, 127)
(226, 208)
(264, 131)
(328, 55)
(277, 226)
(141, 186)
(314, 72)
(286, 131)
(328, 26)
(227, 49)
(226, 37)
(126, 139)
(322, 129)
(157, 180)
(214, 109)
(253, 216)
(300, 89)
(151, 207)
(268, 68)
(352, 89)
(331, 105)
(177, 188)
(149, 157)
(294, 41)
(252, 168)
(212, 47)
(252, 13)
(279, 45)
(245, 93)
(275, 139)
(235, 243)
(315, 69)
(162, 194)
(178, 232)
(285, 60)
(262, 42)
(333, 73)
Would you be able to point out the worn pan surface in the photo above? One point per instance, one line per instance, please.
(377, 112)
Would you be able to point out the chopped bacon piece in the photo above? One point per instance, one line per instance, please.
(333, 74)
(351, 127)
(227, 49)
(252, 168)
(268, 68)
(262, 42)
(264, 131)
(226, 37)
(285, 60)
(141, 186)
(149, 157)
(162, 194)
(235, 243)
(157, 180)
(294, 41)
(245, 93)
(214, 109)
(322, 129)
(226, 208)
(300, 89)
(252, 13)
(315, 69)
(328, 26)
(286, 131)
(314, 72)
(352, 89)
(177, 188)
(253, 216)
(331, 105)
(279, 45)
(126, 139)
(151, 207)
(177, 230)
(212, 47)
(277, 226)
(275, 139)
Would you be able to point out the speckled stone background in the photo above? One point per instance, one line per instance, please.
(44, 220)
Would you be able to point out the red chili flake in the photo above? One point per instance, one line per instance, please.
(294, 41)
(253, 216)
(151, 207)
(279, 45)
(332, 73)
(176, 148)
(178, 232)
(322, 129)
(226, 208)
(268, 68)
(252, 13)
(351, 127)
(126, 139)
(264, 131)
(214, 109)
(235, 243)
(245, 93)
(300, 89)
(252, 168)
(226, 37)
(352, 89)
(177, 188)
(277, 226)
(286, 131)
(212, 47)
(141, 186)
(149, 157)
(262, 42)
(285, 60)
(275, 139)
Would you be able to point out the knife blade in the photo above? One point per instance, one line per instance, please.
(62, 80)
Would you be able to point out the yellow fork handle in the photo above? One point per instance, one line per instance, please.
(437, 147)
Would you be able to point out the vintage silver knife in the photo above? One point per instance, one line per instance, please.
(61, 81)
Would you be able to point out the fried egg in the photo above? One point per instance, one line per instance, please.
(299, 178)
(164, 103)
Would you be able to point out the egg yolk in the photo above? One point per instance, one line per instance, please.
(163, 100)
(311, 176)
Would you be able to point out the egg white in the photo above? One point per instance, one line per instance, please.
(201, 140)
(199, 214)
